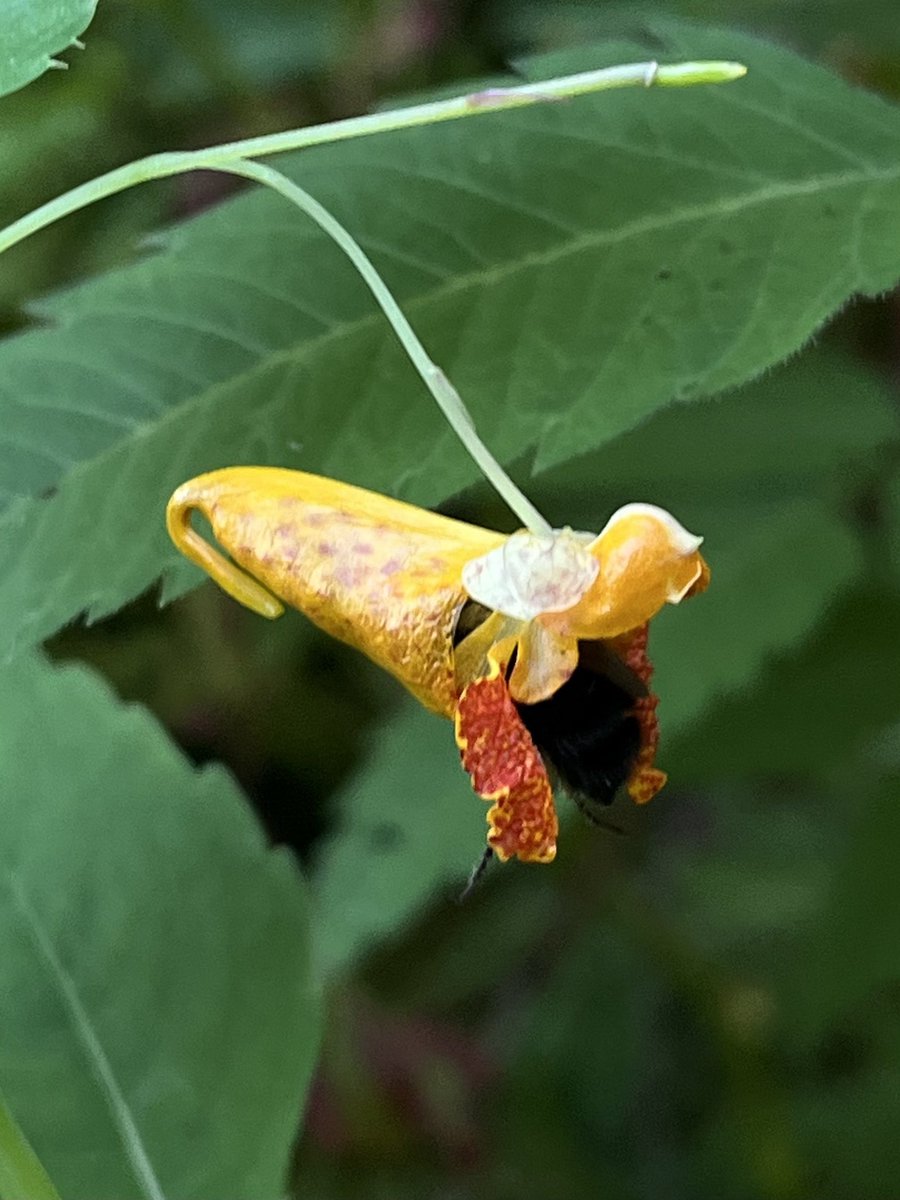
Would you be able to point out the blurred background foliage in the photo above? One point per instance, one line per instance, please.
(708, 1005)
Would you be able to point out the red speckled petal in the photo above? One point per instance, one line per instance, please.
(505, 766)
(645, 779)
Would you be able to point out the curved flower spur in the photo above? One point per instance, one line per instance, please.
(534, 644)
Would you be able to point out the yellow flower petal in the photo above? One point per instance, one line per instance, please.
(646, 560)
(376, 573)
(494, 639)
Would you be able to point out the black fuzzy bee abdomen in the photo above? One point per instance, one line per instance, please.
(587, 733)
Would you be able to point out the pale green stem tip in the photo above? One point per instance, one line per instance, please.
(687, 74)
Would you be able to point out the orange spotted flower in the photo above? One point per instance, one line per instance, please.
(535, 646)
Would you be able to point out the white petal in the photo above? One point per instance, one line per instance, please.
(530, 574)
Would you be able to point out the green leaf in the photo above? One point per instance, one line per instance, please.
(851, 955)
(409, 824)
(820, 416)
(810, 712)
(736, 264)
(590, 1025)
(585, 1052)
(775, 575)
(849, 1128)
(33, 31)
(159, 1024)
(833, 26)
(21, 1175)
(541, 255)
(892, 519)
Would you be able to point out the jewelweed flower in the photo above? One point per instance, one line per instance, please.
(534, 645)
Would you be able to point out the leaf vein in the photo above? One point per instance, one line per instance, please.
(90, 1042)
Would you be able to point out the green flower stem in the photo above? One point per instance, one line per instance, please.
(446, 395)
(233, 158)
(160, 166)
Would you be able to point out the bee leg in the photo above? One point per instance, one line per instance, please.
(600, 821)
(475, 877)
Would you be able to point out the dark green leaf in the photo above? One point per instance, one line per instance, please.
(811, 712)
(775, 575)
(409, 823)
(821, 416)
(892, 521)
(833, 26)
(851, 958)
(159, 1023)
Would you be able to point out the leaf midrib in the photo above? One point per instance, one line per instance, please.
(87, 1037)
